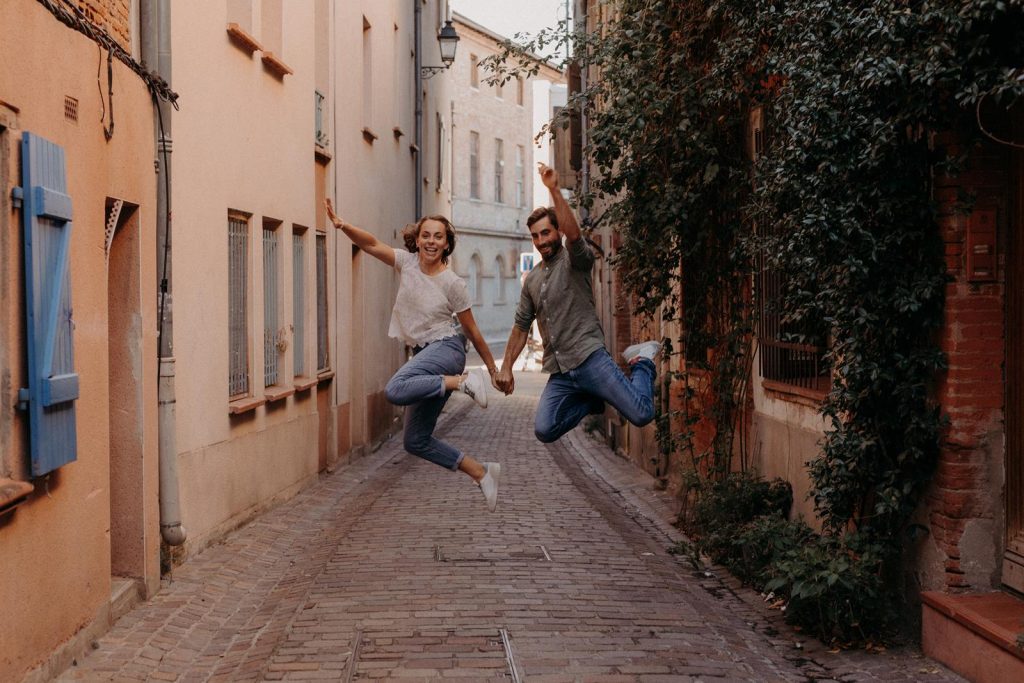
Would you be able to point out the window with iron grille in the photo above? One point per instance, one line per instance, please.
(474, 164)
(520, 177)
(499, 170)
(474, 71)
(238, 305)
(785, 349)
(321, 131)
(323, 361)
(299, 301)
(272, 340)
(519, 90)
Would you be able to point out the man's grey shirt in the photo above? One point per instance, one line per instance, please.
(559, 295)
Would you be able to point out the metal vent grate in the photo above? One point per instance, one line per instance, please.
(71, 108)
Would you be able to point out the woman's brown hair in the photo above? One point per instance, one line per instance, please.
(412, 231)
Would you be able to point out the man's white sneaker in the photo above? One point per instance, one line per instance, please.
(474, 387)
(646, 350)
(489, 484)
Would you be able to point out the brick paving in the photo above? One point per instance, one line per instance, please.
(391, 569)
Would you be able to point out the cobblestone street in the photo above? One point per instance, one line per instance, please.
(391, 568)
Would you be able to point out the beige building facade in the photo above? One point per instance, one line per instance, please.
(79, 525)
(229, 344)
(492, 183)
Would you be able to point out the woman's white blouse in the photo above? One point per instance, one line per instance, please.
(425, 303)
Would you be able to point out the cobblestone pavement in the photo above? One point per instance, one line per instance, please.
(391, 568)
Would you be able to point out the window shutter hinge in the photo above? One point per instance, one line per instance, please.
(24, 396)
(17, 196)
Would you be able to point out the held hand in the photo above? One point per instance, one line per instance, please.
(548, 175)
(333, 217)
(503, 381)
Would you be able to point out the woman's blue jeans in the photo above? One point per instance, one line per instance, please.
(418, 385)
(570, 396)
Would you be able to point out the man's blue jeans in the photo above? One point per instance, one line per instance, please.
(570, 396)
(418, 385)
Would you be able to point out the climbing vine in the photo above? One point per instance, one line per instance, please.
(860, 101)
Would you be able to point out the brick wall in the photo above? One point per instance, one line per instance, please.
(967, 487)
(114, 16)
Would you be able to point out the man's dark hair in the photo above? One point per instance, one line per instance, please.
(543, 212)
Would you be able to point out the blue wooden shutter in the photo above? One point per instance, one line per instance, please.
(52, 381)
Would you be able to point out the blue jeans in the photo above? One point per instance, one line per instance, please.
(419, 387)
(569, 396)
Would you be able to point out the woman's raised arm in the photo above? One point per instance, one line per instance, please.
(362, 239)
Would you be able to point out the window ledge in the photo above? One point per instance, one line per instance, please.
(276, 393)
(243, 39)
(245, 405)
(414, 148)
(321, 153)
(12, 494)
(369, 135)
(812, 398)
(279, 68)
(303, 383)
(325, 375)
(398, 132)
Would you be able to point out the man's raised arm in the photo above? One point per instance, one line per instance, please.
(567, 223)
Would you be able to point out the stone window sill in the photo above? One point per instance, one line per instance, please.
(276, 393)
(246, 404)
(243, 39)
(275, 65)
(304, 383)
(812, 398)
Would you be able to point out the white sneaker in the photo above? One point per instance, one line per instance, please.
(489, 484)
(646, 350)
(474, 387)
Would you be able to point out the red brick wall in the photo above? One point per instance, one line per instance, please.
(114, 16)
(971, 391)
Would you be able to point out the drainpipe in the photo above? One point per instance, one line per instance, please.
(418, 61)
(156, 51)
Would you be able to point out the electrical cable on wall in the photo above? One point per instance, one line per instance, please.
(73, 17)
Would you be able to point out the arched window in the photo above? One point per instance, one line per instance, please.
(475, 280)
(499, 279)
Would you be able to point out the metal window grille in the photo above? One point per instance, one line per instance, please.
(474, 71)
(474, 165)
(238, 313)
(299, 301)
(782, 360)
(519, 90)
(520, 178)
(321, 133)
(271, 286)
(322, 356)
(499, 168)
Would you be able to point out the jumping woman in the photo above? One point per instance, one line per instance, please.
(429, 294)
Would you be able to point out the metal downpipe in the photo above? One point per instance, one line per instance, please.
(156, 48)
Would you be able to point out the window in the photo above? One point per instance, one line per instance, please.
(499, 276)
(367, 77)
(519, 90)
(520, 177)
(238, 305)
(498, 89)
(474, 72)
(474, 165)
(787, 352)
(299, 300)
(322, 354)
(442, 139)
(240, 12)
(271, 303)
(321, 130)
(476, 280)
(499, 169)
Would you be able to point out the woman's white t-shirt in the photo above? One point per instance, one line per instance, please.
(425, 303)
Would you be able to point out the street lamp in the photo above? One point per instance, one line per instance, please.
(448, 39)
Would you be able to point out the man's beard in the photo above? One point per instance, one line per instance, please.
(554, 248)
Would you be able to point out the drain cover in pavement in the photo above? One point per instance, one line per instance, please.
(477, 653)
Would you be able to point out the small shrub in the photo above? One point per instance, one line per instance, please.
(836, 588)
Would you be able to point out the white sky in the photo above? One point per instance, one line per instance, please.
(509, 17)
